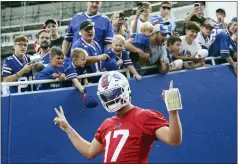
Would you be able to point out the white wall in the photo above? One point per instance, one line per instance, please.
(229, 7)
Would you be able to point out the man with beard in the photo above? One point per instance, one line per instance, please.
(158, 54)
(103, 27)
(43, 37)
(224, 46)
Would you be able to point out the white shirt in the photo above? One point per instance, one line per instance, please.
(187, 49)
(204, 43)
(139, 24)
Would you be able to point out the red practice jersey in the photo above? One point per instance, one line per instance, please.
(130, 138)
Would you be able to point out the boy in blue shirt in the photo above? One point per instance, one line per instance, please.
(76, 67)
(53, 70)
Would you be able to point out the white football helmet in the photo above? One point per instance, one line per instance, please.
(114, 91)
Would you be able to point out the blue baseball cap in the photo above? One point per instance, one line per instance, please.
(234, 19)
(164, 29)
(89, 101)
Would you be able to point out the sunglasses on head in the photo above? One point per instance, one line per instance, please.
(165, 7)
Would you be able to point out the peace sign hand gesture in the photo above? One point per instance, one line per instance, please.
(61, 120)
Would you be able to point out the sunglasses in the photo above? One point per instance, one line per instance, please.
(165, 7)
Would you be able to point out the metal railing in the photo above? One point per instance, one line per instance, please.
(212, 59)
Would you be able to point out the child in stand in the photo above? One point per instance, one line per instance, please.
(119, 54)
(53, 70)
(173, 47)
(142, 41)
(76, 67)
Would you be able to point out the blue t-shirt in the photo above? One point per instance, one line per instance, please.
(141, 41)
(67, 62)
(124, 56)
(12, 65)
(223, 45)
(103, 28)
(46, 73)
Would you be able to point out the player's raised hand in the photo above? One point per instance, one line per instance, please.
(170, 87)
(61, 120)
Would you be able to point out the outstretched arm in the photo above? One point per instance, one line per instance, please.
(87, 149)
(171, 135)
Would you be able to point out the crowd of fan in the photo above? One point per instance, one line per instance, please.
(94, 43)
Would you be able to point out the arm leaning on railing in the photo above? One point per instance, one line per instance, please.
(89, 75)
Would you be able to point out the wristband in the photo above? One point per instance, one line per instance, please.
(17, 76)
(173, 99)
(68, 131)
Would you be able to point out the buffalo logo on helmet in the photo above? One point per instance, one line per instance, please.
(106, 80)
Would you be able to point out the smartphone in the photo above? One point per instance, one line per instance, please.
(128, 13)
(196, 5)
(139, 4)
(122, 15)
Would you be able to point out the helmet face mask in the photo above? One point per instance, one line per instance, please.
(113, 91)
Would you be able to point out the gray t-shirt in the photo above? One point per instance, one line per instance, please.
(158, 53)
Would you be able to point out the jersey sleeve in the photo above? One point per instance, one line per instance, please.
(224, 47)
(126, 59)
(71, 73)
(100, 134)
(108, 33)
(6, 69)
(153, 121)
(69, 32)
